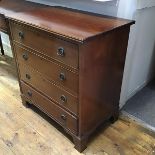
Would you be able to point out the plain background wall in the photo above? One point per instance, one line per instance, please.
(143, 57)
(140, 59)
(139, 67)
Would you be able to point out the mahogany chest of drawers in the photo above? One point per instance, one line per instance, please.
(70, 64)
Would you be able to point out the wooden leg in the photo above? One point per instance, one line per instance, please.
(1, 45)
(80, 144)
(114, 117)
(25, 103)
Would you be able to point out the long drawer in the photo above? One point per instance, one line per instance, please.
(50, 69)
(55, 93)
(3, 25)
(61, 116)
(58, 49)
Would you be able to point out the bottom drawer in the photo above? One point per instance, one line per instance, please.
(61, 116)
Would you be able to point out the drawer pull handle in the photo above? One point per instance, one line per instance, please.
(21, 35)
(25, 56)
(63, 98)
(61, 52)
(29, 93)
(64, 117)
(28, 76)
(62, 77)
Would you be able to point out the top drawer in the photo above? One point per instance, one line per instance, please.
(3, 25)
(60, 50)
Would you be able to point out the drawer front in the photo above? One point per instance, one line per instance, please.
(61, 116)
(3, 25)
(50, 69)
(57, 94)
(58, 49)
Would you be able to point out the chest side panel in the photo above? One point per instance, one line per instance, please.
(101, 62)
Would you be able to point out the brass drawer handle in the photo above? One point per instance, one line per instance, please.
(29, 93)
(28, 76)
(64, 117)
(62, 77)
(25, 56)
(63, 99)
(21, 35)
(61, 52)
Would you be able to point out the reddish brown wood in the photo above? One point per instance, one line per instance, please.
(58, 114)
(95, 49)
(45, 43)
(59, 21)
(80, 144)
(3, 24)
(100, 78)
(41, 64)
(51, 90)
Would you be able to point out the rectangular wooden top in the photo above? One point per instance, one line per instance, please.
(71, 24)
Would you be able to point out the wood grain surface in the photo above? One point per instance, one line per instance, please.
(24, 131)
(62, 22)
(91, 44)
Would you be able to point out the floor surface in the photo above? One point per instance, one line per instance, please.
(142, 105)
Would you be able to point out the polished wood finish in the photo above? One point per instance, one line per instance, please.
(42, 63)
(3, 24)
(101, 60)
(90, 49)
(3, 28)
(24, 131)
(61, 116)
(48, 88)
(45, 43)
(61, 22)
